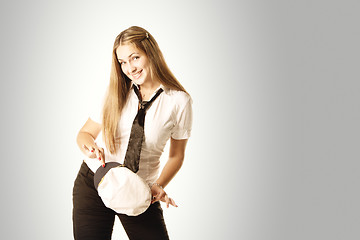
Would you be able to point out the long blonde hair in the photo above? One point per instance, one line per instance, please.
(120, 84)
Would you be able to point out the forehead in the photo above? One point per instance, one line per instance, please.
(124, 51)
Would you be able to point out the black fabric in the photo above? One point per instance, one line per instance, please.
(101, 171)
(132, 156)
(92, 220)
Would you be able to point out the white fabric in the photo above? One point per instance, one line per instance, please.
(124, 192)
(170, 115)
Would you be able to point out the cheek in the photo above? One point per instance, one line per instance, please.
(124, 70)
(145, 65)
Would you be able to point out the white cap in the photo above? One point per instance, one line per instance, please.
(122, 190)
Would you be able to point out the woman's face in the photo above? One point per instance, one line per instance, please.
(134, 63)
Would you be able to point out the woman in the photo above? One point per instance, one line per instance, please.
(138, 66)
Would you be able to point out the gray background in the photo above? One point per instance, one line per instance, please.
(274, 151)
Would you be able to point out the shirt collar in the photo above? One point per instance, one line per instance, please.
(161, 86)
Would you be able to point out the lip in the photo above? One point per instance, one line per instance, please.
(137, 75)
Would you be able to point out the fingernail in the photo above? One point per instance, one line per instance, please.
(99, 158)
(92, 150)
(103, 165)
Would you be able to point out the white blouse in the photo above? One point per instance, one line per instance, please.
(170, 115)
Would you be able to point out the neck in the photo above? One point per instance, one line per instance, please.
(148, 88)
(149, 85)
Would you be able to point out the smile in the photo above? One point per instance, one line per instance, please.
(136, 75)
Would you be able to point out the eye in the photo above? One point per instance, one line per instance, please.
(122, 63)
(136, 57)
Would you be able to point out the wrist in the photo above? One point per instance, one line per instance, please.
(156, 184)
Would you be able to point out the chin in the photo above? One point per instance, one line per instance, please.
(138, 81)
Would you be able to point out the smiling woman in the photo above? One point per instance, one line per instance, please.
(141, 84)
(136, 66)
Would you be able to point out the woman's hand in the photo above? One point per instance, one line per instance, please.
(86, 141)
(158, 194)
(95, 152)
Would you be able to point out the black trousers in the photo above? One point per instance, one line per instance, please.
(92, 220)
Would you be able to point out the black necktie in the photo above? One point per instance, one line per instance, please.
(132, 157)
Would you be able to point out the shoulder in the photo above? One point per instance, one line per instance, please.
(179, 98)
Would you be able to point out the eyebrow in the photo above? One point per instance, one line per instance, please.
(128, 56)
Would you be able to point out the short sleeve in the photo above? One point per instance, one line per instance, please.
(183, 121)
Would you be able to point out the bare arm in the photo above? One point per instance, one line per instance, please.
(174, 163)
(172, 166)
(86, 140)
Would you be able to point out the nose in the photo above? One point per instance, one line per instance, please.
(132, 67)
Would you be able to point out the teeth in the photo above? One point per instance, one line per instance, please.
(137, 74)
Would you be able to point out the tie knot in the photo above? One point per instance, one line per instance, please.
(145, 104)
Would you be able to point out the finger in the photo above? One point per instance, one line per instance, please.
(167, 200)
(162, 195)
(88, 152)
(97, 154)
(88, 149)
(102, 153)
(85, 148)
(100, 156)
(154, 199)
(158, 196)
(91, 149)
(172, 202)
